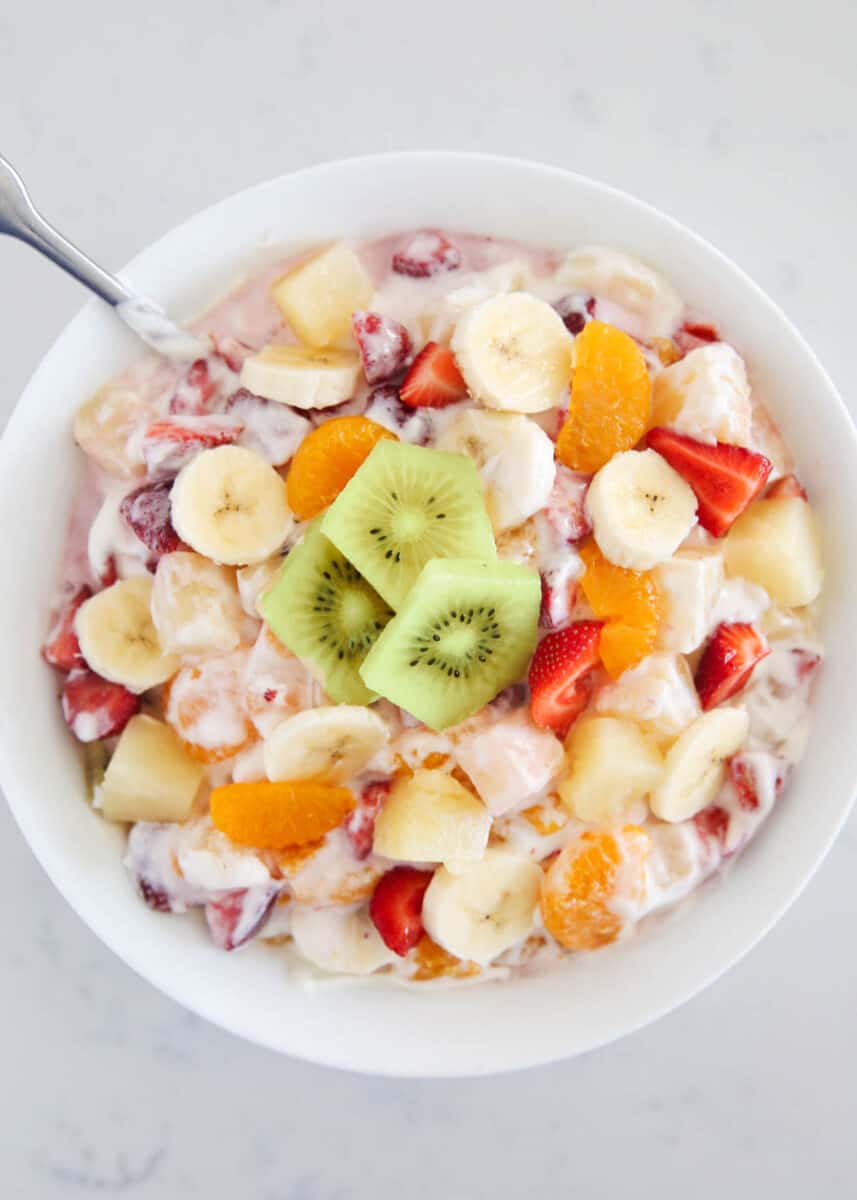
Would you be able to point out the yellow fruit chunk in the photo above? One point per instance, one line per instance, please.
(775, 544)
(630, 603)
(318, 298)
(150, 777)
(611, 398)
(273, 816)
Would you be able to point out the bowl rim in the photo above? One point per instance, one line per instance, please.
(99, 922)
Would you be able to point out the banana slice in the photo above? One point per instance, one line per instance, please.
(342, 942)
(118, 638)
(483, 909)
(640, 508)
(694, 769)
(230, 505)
(302, 377)
(618, 278)
(514, 353)
(515, 460)
(332, 743)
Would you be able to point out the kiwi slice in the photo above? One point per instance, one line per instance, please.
(404, 506)
(466, 631)
(324, 610)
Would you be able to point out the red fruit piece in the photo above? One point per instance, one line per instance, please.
(94, 708)
(110, 573)
(566, 506)
(694, 334)
(147, 512)
(273, 430)
(712, 825)
(396, 907)
(195, 391)
(156, 899)
(427, 253)
(727, 662)
(557, 677)
(360, 826)
(169, 444)
(575, 309)
(238, 916)
(434, 379)
(384, 345)
(62, 648)
(787, 486)
(725, 478)
(750, 778)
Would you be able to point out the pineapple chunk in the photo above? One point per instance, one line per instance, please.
(706, 394)
(611, 765)
(658, 693)
(318, 298)
(689, 583)
(775, 544)
(150, 777)
(430, 817)
(195, 605)
(510, 761)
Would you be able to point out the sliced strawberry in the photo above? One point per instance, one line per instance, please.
(750, 777)
(725, 478)
(694, 334)
(147, 511)
(728, 661)
(195, 391)
(94, 708)
(434, 379)
(231, 351)
(360, 826)
(154, 897)
(788, 486)
(169, 444)
(272, 430)
(576, 309)
(566, 507)
(429, 252)
(384, 345)
(238, 916)
(712, 825)
(396, 907)
(557, 675)
(62, 648)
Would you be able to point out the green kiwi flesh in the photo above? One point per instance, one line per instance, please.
(466, 631)
(405, 506)
(322, 609)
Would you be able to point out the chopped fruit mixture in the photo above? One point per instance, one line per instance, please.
(443, 621)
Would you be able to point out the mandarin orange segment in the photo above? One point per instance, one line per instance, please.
(433, 962)
(203, 704)
(273, 816)
(611, 398)
(582, 884)
(631, 604)
(326, 459)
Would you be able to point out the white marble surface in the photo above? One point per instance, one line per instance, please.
(738, 118)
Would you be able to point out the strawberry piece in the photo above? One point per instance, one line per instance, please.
(384, 344)
(559, 689)
(694, 334)
(725, 478)
(434, 379)
(575, 309)
(169, 445)
(147, 511)
(750, 779)
(195, 391)
(109, 573)
(154, 897)
(94, 708)
(566, 506)
(272, 430)
(62, 649)
(807, 662)
(238, 916)
(360, 826)
(232, 351)
(396, 907)
(712, 825)
(727, 662)
(788, 486)
(429, 252)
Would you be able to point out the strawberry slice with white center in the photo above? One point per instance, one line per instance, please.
(360, 826)
(384, 344)
(94, 708)
(147, 512)
(429, 252)
(712, 825)
(558, 675)
(756, 776)
(195, 391)
(724, 478)
(238, 916)
(728, 662)
(62, 649)
(433, 380)
(789, 486)
(170, 444)
(396, 907)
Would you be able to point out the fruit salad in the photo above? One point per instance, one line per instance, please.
(452, 615)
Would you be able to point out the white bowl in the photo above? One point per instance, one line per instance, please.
(378, 1028)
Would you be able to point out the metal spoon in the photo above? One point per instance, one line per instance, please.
(20, 219)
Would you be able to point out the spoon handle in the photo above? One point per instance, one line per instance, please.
(20, 219)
